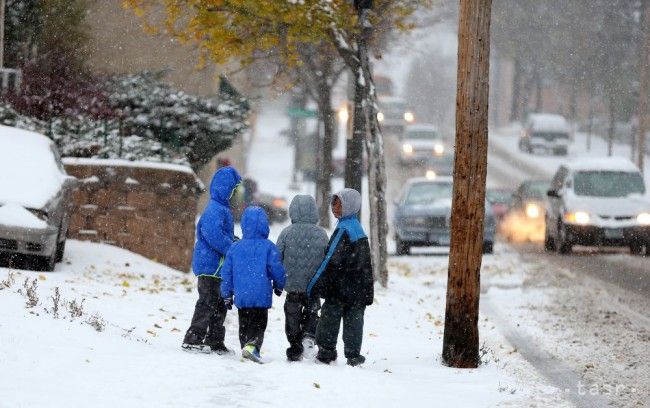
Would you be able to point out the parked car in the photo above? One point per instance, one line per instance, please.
(598, 202)
(499, 199)
(546, 132)
(393, 115)
(524, 219)
(423, 212)
(420, 143)
(248, 194)
(440, 166)
(35, 198)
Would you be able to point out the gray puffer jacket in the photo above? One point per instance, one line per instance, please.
(302, 244)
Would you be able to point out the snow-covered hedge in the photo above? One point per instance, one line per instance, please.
(151, 121)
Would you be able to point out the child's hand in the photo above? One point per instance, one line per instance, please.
(278, 292)
(228, 303)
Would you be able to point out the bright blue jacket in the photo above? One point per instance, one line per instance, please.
(252, 268)
(215, 230)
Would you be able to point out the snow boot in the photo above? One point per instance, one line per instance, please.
(309, 347)
(251, 352)
(325, 356)
(355, 361)
(219, 348)
(294, 354)
(196, 348)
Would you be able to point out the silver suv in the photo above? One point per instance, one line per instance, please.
(35, 199)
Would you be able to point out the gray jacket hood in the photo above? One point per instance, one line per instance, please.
(303, 210)
(350, 201)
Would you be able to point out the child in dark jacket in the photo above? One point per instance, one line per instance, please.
(344, 279)
(214, 235)
(251, 272)
(302, 248)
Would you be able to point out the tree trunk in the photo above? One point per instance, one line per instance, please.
(538, 92)
(461, 336)
(644, 87)
(376, 170)
(324, 178)
(590, 125)
(354, 147)
(515, 108)
(296, 132)
(612, 124)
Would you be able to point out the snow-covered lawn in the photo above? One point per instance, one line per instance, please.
(145, 307)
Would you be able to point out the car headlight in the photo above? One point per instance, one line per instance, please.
(409, 117)
(407, 148)
(380, 116)
(438, 149)
(279, 202)
(42, 215)
(643, 218)
(533, 210)
(577, 217)
(431, 175)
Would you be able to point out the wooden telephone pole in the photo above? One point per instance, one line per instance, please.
(461, 338)
(2, 33)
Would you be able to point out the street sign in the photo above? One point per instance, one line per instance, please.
(302, 113)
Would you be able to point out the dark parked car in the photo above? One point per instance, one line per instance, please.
(423, 213)
(35, 198)
(500, 200)
(596, 202)
(524, 220)
(248, 194)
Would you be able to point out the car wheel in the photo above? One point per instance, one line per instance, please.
(563, 245)
(488, 247)
(637, 248)
(402, 248)
(549, 243)
(60, 249)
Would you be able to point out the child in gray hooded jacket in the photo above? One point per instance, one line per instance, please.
(302, 249)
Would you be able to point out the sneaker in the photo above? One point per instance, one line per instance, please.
(196, 348)
(219, 348)
(355, 361)
(251, 352)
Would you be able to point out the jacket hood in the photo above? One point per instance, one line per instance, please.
(303, 210)
(254, 223)
(223, 183)
(350, 201)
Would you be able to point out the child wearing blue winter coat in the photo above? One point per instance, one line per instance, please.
(251, 272)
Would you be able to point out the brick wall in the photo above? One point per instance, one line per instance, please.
(143, 207)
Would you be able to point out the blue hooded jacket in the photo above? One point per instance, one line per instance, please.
(215, 230)
(252, 268)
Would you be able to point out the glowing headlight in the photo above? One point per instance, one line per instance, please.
(380, 116)
(409, 117)
(407, 148)
(643, 218)
(279, 202)
(578, 217)
(439, 149)
(532, 210)
(431, 174)
(344, 114)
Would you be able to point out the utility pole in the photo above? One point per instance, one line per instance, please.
(644, 86)
(460, 347)
(2, 34)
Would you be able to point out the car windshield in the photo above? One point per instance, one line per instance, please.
(426, 193)
(608, 183)
(537, 189)
(551, 135)
(421, 134)
(499, 196)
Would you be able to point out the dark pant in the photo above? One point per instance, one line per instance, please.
(328, 329)
(209, 314)
(301, 319)
(252, 325)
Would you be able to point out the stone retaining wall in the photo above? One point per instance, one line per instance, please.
(147, 208)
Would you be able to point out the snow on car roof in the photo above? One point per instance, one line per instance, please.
(548, 122)
(602, 164)
(422, 127)
(128, 163)
(29, 173)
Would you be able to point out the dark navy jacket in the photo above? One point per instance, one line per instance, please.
(252, 268)
(215, 230)
(345, 275)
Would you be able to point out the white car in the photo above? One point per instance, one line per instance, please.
(546, 132)
(393, 115)
(420, 143)
(35, 198)
(598, 201)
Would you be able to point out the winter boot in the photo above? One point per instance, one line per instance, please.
(251, 352)
(196, 348)
(219, 348)
(294, 354)
(309, 347)
(326, 356)
(355, 361)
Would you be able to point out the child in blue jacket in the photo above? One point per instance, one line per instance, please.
(214, 235)
(252, 272)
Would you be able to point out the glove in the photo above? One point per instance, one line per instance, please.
(278, 292)
(228, 302)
